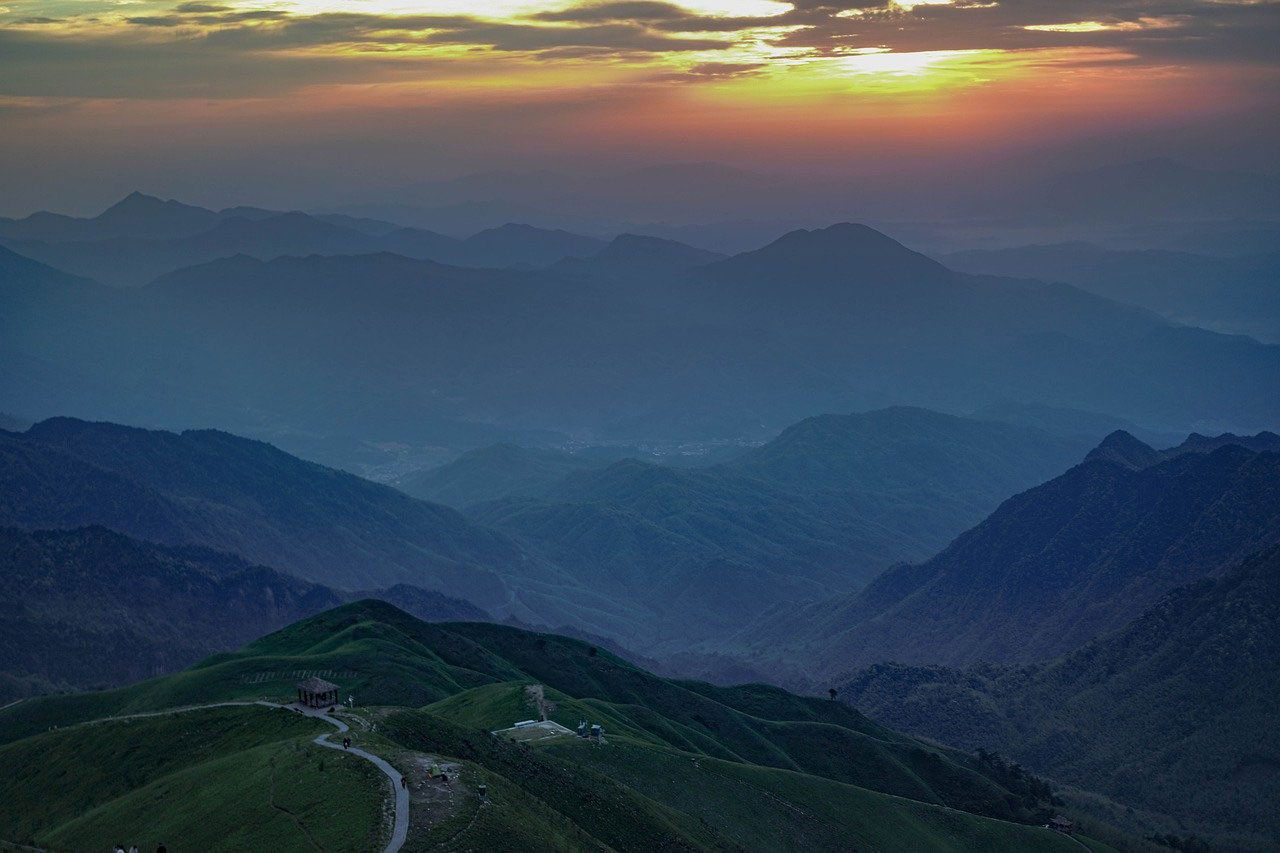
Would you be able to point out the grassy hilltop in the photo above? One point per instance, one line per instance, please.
(684, 764)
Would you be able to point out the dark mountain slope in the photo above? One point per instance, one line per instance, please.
(1053, 567)
(142, 237)
(136, 215)
(1228, 294)
(381, 347)
(905, 449)
(832, 270)
(513, 243)
(1122, 448)
(652, 268)
(1175, 712)
(821, 508)
(215, 489)
(90, 607)
(497, 471)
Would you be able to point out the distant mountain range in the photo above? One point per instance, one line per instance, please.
(1236, 295)
(92, 608)
(142, 237)
(631, 550)
(823, 507)
(401, 352)
(1053, 567)
(1174, 712)
(217, 490)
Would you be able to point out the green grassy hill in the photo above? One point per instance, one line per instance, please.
(235, 778)
(682, 765)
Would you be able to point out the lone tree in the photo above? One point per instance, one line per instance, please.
(832, 691)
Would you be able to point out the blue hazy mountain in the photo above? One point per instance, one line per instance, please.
(1172, 712)
(90, 607)
(1227, 294)
(388, 348)
(1055, 566)
(143, 237)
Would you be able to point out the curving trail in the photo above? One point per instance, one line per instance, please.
(400, 828)
(400, 796)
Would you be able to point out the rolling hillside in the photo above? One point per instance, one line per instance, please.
(225, 778)
(805, 768)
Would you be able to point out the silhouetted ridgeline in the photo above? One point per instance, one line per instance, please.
(1053, 567)
(1174, 712)
(93, 608)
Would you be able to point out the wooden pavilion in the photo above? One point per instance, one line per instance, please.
(317, 693)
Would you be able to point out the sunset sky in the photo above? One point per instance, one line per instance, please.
(277, 97)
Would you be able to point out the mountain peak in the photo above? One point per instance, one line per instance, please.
(136, 202)
(1121, 447)
(845, 245)
(648, 251)
(142, 215)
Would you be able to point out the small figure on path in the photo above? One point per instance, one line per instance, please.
(403, 783)
(346, 743)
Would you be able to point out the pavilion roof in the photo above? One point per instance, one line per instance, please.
(316, 685)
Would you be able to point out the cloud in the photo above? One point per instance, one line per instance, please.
(622, 11)
(205, 48)
(1164, 29)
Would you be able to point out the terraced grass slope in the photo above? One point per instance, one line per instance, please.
(232, 778)
(813, 770)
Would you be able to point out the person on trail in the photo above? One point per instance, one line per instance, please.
(403, 783)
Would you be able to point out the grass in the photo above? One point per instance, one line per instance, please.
(763, 808)
(226, 778)
(685, 765)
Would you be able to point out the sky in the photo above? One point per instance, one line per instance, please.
(326, 101)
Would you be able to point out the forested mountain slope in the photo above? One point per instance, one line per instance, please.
(1174, 712)
(1053, 567)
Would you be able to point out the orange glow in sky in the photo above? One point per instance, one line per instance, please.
(698, 77)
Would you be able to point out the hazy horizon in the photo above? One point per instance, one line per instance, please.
(322, 103)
